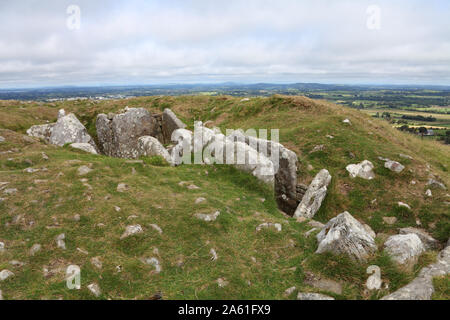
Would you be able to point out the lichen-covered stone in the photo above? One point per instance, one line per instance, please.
(345, 235)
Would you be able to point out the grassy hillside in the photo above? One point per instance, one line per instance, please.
(253, 264)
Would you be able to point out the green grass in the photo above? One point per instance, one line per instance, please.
(257, 265)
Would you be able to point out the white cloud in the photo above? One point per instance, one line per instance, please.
(167, 41)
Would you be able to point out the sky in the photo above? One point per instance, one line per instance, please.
(84, 42)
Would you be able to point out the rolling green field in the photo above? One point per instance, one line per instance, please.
(250, 264)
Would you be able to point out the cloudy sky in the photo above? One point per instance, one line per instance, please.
(42, 42)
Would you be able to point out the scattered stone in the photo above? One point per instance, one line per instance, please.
(200, 200)
(153, 262)
(347, 121)
(317, 148)
(94, 289)
(404, 249)
(131, 230)
(310, 231)
(428, 241)
(436, 184)
(316, 224)
(374, 280)
(122, 187)
(44, 156)
(207, 217)
(428, 193)
(405, 156)
(86, 147)
(346, 235)
(362, 170)
(5, 274)
(76, 217)
(309, 167)
(289, 291)
(421, 288)
(82, 251)
(313, 296)
(96, 262)
(413, 182)
(394, 166)
(213, 255)
(157, 228)
(404, 205)
(16, 263)
(35, 249)
(30, 170)
(60, 243)
(83, 170)
(222, 282)
(266, 225)
(117, 209)
(314, 196)
(2, 139)
(192, 187)
(329, 136)
(1, 295)
(390, 220)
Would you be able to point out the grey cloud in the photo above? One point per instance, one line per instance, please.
(167, 41)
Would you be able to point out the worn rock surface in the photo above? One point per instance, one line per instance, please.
(118, 134)
(394, 166)
(404, 249)
(314, 196)
(68, 129)
(346, 235)
(421, 288)
(43, 131)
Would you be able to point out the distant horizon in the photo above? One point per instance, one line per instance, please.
(235, 83)
(135, 42)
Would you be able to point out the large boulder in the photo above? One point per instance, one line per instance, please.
(118, 134)
(170, 123)
(68, 129)
(285, 168)
(421, 288)
(314, 196)
(150, 146)
(362, 170)
(404, 249)
(345, 235)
